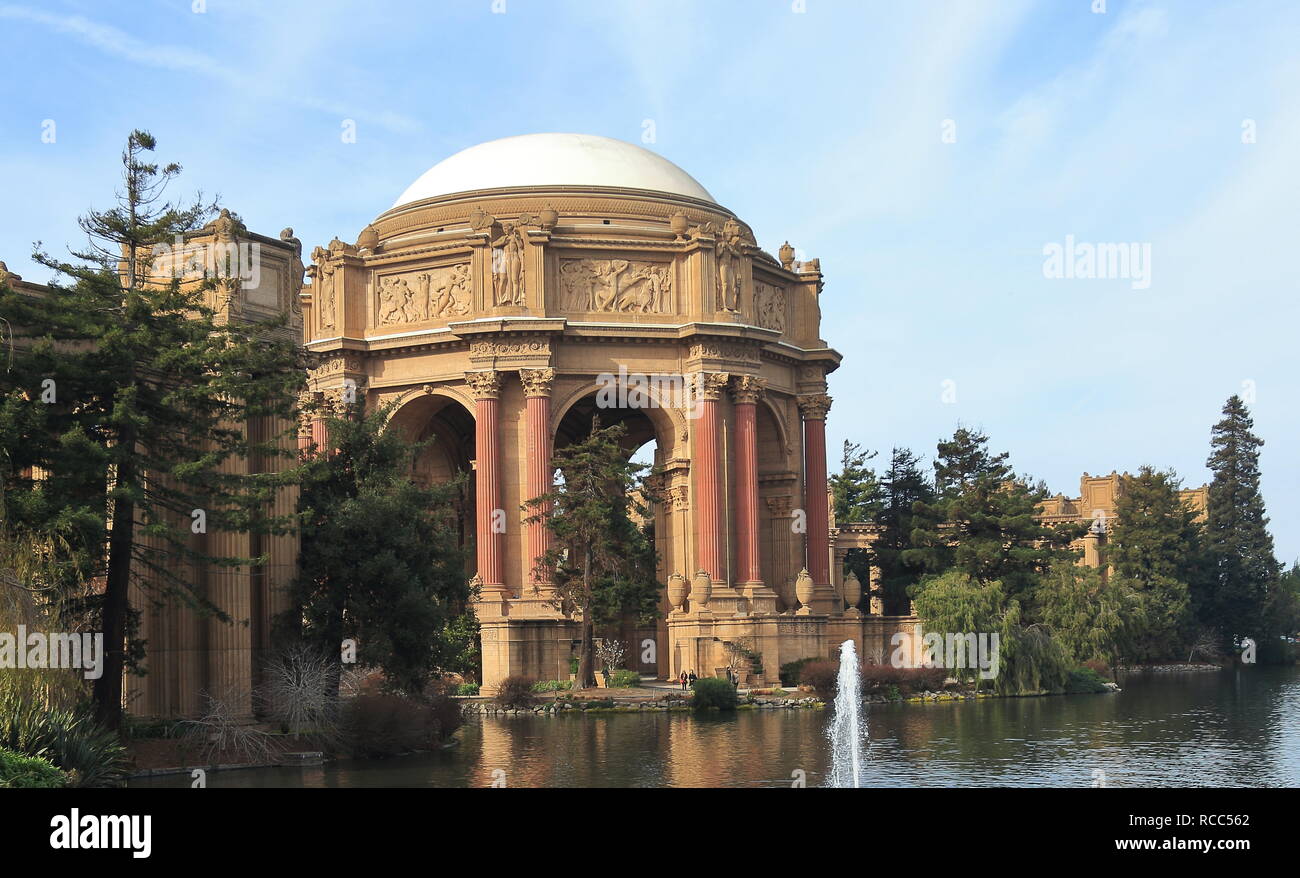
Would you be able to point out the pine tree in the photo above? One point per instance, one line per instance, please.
(149, 397)
(379, 562)
(1237, 537)
(983, 521)
(602, 564)
(902, 486)
(1156, 548)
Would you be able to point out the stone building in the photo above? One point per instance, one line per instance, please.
(521, 287)
(1096, 506)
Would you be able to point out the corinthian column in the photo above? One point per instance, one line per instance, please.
(486, 387)
(708, 511)
(537, 414)
(813, 409)
(745, 393)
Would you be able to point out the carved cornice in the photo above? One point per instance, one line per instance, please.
(537, 382)
(814, 406)
(484, 384)
(747, 389)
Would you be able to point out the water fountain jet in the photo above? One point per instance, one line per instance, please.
(848, 727)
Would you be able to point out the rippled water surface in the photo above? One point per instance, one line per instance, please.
(1229, 728)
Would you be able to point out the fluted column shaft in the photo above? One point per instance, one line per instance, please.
(745, 392)
(708, 511)
(537, 414)
(812, 409)
(486, 387)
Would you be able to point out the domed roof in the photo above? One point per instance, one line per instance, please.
(553, 160)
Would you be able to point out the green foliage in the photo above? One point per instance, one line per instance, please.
(1092, 616)
(983, 522)
(621, 680)
(855, 497)
(713, 693)
(790, 671)
(1085, 681)
(379, 561)
(456, 645)
(552, 685)
(602, 565)
(1157, 549)
(467, 689)
(92, 755)
(153, 392)
(1240, 546)
(901, 487)
(18, 771)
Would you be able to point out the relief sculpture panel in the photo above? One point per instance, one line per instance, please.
(430, 295)
(616, 286)
(769, 306)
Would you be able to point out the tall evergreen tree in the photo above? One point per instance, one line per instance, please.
(379, 563)
(149, 396)
(1156, 547)
(602, 565)
(1240, 546)
(902, 486)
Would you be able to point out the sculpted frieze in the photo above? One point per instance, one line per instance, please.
(430, 295)
(769, 306)
(616, 286)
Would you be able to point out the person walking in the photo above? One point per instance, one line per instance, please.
(692, 678)
(681, 678)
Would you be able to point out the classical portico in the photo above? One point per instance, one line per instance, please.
(524, 286)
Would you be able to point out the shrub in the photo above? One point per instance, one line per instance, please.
(388, 725)
(516, 692)
(821, 676)
(902, 681)
(622, 680)
(551, 686)
(1099, 667)
(90, 754)
(18, 771)
(1084, 681)
(713, 693)
(467, 689)
(790, 671)
(300, 691)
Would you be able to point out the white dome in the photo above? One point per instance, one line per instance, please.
(553, 160)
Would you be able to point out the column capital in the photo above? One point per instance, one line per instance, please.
(484, 384)
(537, 382)
(710, 385)
(814, 406)
(747, 389)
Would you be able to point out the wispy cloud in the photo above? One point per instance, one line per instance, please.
(183, 59)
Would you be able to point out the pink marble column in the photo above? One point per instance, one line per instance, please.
(486, 387)
(813, 409)
(708, 511)
(537, 414)
(745, 392)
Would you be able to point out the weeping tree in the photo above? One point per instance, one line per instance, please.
(603, 564)
(1093, 616)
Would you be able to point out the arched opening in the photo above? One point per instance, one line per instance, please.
(446, 430)
(780, 548)
(648, 434)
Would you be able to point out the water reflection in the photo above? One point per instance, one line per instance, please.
(1221, 729)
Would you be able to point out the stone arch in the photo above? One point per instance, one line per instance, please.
(669, 422)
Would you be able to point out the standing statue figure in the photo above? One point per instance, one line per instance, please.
(295, 269)
(729, 249)
(508, 266)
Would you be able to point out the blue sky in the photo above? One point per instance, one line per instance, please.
(823, 126)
